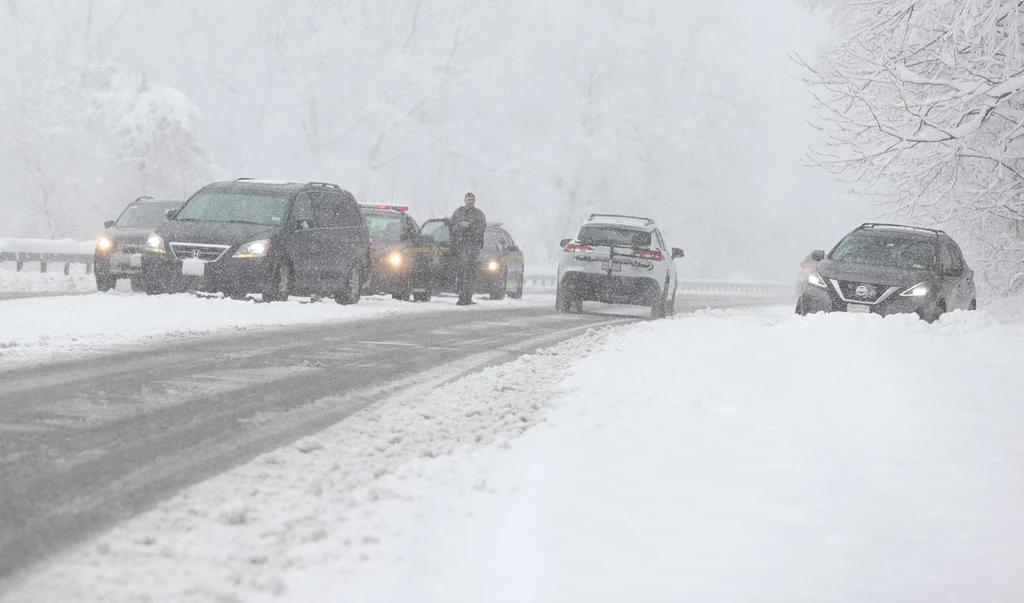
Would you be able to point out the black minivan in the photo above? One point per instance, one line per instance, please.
(262, 236)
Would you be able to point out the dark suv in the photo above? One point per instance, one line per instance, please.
(119, 249)
(890, 269)
(262, 236)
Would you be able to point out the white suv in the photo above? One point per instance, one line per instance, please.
(618, 260)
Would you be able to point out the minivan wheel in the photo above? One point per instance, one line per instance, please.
(354, 291)
(280, 286)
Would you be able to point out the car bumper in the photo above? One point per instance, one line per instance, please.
(611, 289)
(119, 266)
(226, 275)
(816, 299)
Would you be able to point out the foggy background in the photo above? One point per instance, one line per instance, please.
(689, 112)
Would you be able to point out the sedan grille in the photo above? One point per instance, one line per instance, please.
(206, 253)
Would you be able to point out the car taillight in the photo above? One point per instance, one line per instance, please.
(653, 254)
(578, 247)
(806, 266)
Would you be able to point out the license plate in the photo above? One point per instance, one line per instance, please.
(858, 309)
(609, 265)
(121, 259)
(135, 260)
(193, 267)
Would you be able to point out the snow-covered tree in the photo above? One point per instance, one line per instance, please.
(922, 105)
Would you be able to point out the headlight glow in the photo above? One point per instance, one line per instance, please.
(493, 265)
(918, 290)
(155, 243)
(104, 243)
(395, 259)
(815, 279)
(253, 249)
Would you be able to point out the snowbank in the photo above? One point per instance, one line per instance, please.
(722, 456)
(47, 245)
(39, 328)
(77, 281)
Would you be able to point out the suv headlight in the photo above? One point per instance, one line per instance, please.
(815, 279)
(493, 265)
(104, 243)
(253, 249)
(395, 259)
(155, 243)
(918, 290)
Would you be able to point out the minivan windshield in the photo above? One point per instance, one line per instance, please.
(618, 236)
(145, 215)
(890, 252)
(249, 207)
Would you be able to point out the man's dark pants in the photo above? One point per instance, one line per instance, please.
(468, 259)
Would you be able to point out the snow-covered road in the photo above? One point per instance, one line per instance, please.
(742, 455)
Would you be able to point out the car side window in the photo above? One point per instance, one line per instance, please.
(302, 212)
(348, 210)
(659, 241)
(326, 210)
(958, 260)
(945, 260)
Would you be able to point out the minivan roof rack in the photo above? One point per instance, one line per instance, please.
(495, 223)
(644, 220)
(873, 225)
(143, 198)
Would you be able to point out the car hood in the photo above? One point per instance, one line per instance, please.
(214, 233)
(872, 275)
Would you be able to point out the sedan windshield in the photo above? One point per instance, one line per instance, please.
(385, 228)
(248, 207)
(145, 215)
(617, 236)
(906, 254)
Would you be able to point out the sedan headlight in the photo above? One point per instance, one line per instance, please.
(815, 279)
(395, 259)
(253, 249)
(918, 290)
(155, 243)
(493, 265)
(104, 243)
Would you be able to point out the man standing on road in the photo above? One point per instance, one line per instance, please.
(469, 224)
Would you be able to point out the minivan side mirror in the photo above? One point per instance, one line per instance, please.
(564, 242)
(677, 253)
(108, 224)
(171, 213)
(817, 255)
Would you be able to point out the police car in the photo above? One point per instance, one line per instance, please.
(620, 260)
(393, 236)
(501, 262)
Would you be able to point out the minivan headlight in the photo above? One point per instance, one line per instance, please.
(104, 243)
(815, 279)
(155, 243)
(918, 290)
(253, 249)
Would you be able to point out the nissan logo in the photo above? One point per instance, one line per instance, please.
(864, 291)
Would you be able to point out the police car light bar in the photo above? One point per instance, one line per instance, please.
(385, 206)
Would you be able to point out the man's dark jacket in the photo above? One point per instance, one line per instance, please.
(473, 236)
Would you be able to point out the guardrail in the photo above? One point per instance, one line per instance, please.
(20, 258)
(693, 287)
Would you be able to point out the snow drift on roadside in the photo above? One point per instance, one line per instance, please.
(50, 282)
(39, 328)
(723, 456)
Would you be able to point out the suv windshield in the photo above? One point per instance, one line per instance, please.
(384, 227)
(145, 215)
(907, 254)
(618, 236)
(256, 207)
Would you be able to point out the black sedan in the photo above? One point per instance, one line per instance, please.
(501, 262)
(393, 234)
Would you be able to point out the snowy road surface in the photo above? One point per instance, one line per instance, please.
(89, 442)
(727, 456)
